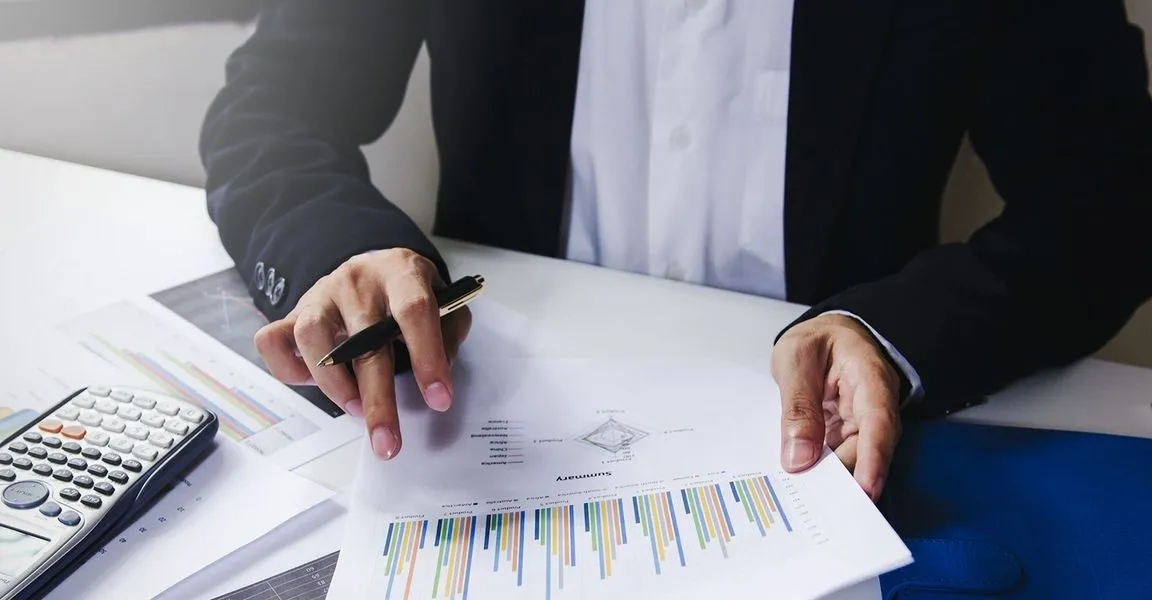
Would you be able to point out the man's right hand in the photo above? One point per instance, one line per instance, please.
(361, 292)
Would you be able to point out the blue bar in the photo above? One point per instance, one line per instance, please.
(652, 535)
(448, 542)
(536, 535)
(572, 534)
(423, 533)
(520, 566)
(388, 539)
(587, 527)
(724, 507)
(623, 529)
(776, 500)
(395, 563)
(471, 544)
(599, 531)
(703, 516)
(439, 525)
(636, 509)
(735, 494)
(676, 530)
(487, 529)
(547, 559)
(684, 495)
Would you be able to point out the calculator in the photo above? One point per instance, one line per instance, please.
(79, 473)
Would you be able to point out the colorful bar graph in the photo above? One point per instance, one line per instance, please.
(706, 517)
(177, 384)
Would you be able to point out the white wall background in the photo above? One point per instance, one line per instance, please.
(134, 102)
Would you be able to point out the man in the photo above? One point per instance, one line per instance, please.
(794, 151)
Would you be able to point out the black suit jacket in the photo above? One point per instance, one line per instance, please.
(1053, 94)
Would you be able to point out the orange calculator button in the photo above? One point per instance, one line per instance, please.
(51, 425)
(75, 432)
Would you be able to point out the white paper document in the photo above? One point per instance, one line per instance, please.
(205, 354)
(584, 479)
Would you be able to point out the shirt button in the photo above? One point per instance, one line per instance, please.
(681, 139)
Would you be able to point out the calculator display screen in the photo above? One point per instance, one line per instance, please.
(17, 549)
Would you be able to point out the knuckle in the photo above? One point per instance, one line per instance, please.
(414, 306)
(308, 324)
(800, 411)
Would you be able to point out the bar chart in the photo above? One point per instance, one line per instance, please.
(557, 548)
(253, 409)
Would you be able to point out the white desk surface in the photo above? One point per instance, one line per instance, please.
(91, 236)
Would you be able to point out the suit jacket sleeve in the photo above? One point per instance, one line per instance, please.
(1063, 122)
(288, 185)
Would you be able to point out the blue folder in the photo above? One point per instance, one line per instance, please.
(1020, 514)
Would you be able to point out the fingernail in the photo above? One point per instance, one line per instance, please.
(384, 443)
(438, 397)
(355, 408)
(799, 453)
(877, 490)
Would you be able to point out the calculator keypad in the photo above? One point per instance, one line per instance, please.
(100, 441)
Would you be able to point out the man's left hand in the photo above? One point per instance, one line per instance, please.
(837, 386)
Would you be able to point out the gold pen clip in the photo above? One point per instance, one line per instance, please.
(462, 300)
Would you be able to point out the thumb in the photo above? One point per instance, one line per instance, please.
(799, 370)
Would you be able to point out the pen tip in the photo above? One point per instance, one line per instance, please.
(326, 362)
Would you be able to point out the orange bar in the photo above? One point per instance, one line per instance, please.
(657, 527)
(707, 516)
(666, 511)
(767, 495)
(412, 564)
(721, 524)
(764, 517)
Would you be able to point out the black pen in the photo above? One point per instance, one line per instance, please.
(378, 335)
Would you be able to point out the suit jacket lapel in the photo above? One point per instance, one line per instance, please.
(835, 48)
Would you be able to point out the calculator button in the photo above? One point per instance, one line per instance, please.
(18, 447)
(154, 420)
(112, 459)
(107, 407)
(122, 396)
(51, 425)
(43, 469)
(192, 415)
(145, 453)
(70, 518)
(7, 474)
(177, 427)
(113, 425)
(99, 390)
(90, 453)
(22, 463)
(58, 458)
(78, 463)
(90, 418)
(71, 447)
(104, 488)
(50, 509)
(168, 408)
(129, 413)
(52, 442)
(91, 501)
(25, 494)
(5, 458)
(97, 438)
(38, 453)
(74, 431)
(32, 437)
(70, 494)
(136, 432)
(83, 481)
(144, 402)
(133, 465)
(118, 477)
(83, 402)
(99, 470)
(63, 474)
(124, 445)
(160, 439)
(68, 413)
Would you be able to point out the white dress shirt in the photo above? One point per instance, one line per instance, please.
(678, 143)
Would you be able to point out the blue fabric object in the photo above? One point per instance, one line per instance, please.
(1020, 514)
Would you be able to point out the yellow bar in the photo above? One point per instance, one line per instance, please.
(465, 537)
(516, 525)
(565, 539)
(707, 516)
(606, 541)
(451, 578)
(552, 523)
(657, 527)
(767, 493)
(504, 533)
(759, 505)
(412, 564)
(721, 524)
